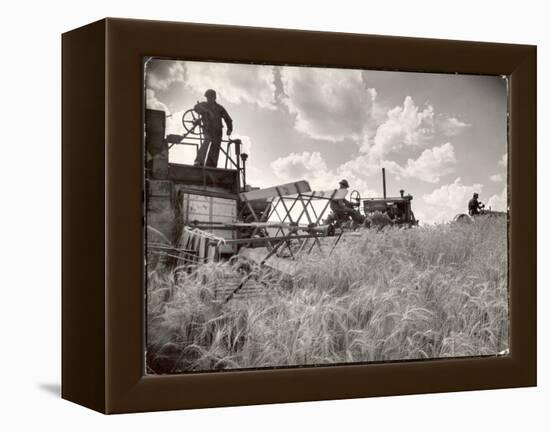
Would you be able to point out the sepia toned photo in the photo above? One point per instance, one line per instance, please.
(306, 216)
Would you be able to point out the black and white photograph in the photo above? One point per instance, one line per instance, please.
(233, 215)
(304, 216)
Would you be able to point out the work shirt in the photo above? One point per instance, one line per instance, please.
(340, 204)
(212, 115)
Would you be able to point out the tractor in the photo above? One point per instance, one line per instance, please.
(377, 212)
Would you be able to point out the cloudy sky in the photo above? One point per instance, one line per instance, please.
(440, 137)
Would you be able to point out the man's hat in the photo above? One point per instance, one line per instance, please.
(210, 93)
(344, 183)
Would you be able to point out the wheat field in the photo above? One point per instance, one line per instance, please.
(396, 294)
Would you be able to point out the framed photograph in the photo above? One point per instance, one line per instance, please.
(259, 215)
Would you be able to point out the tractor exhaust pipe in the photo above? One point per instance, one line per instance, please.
(384, 181)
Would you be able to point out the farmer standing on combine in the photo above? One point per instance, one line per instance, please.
(342, 209)
(212, 114)
(474, 206)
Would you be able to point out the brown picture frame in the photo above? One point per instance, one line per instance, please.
(102, 210)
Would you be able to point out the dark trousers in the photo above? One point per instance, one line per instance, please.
(344, 213)
(212, 140)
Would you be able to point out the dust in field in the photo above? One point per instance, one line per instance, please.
(429, 292)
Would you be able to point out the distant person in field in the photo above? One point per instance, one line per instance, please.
(342, 209)
(475, 206)
(212, 114)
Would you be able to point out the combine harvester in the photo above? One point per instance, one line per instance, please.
(467, 219)
(196, 215)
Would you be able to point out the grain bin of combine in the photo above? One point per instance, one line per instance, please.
(199, 213)
(182, 197)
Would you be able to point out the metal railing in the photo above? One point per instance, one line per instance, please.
(231, 156)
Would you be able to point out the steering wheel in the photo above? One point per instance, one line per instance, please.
(355, 196)
(192, 122)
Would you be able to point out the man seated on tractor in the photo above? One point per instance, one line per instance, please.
(342, 210)
(475, 206)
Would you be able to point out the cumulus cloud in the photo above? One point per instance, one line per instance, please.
(445, 202)
(499, 177)
(174, 124)
(504, 160)
(499, 202)
(405, 125)
(297, 166)
(152, 102)
(235, 83)
(430, 166)
(361, 166)
(173, 120)
(246, 143)
(312, 167)
(329, 104)
(451, 126)
(160, 74)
